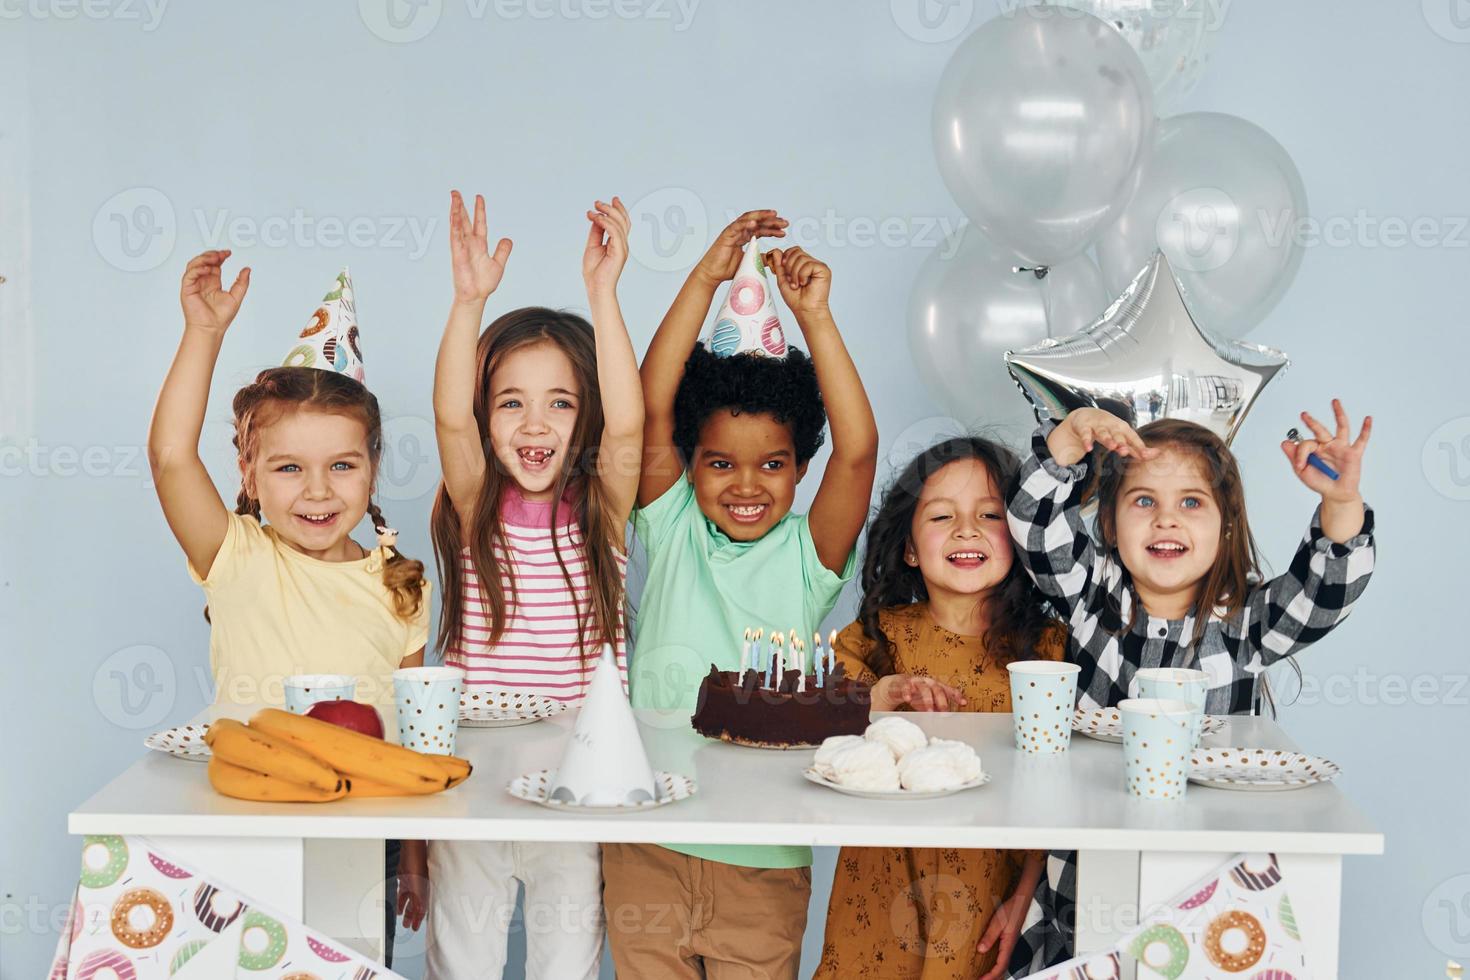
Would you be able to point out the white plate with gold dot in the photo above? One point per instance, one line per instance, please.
(535, 787)
(1259, 770)
(814, 776)
(495, 708)
(181, 742)
(1106, 724)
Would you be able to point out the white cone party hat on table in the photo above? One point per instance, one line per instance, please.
(747, 322)
(605, 763)
(330, 339)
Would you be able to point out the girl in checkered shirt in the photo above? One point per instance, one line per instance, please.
(1174, 578)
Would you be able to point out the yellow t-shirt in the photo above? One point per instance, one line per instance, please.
(275, 612)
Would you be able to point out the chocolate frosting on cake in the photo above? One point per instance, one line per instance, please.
(736, 708)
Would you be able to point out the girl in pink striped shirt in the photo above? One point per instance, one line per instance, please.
(540, 424)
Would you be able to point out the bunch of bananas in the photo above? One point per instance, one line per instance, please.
(284, 758)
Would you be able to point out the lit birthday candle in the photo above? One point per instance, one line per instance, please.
(798, 655)
(832, 651)
(744, 654)
(819, 657)
(774, 677)
(756, 661)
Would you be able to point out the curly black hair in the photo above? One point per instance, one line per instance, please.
(785, 388)
(1019, 615)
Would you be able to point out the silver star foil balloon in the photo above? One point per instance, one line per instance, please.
(1146, 358)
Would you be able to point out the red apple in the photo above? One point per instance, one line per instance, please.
(363, 718)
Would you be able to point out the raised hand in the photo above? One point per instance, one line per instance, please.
(1337, 449)
(723, 258)
(1086, 428)
(607, 246)
(207, 306)
(477, 273)
(805, 282)
(917, 692)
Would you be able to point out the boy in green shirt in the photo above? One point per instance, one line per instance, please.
(726, 439)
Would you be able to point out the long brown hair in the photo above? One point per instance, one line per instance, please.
(1237, 560)
(1016, 607)
(577, 482)
(282, 389)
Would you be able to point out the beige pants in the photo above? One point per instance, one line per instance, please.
(671, 916)
(472, 895)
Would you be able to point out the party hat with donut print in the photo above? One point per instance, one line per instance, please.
(747, 323)
(329, 340)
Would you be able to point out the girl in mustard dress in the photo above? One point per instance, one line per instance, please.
(945, 607)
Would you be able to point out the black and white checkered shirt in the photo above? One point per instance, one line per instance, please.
(1093, 593)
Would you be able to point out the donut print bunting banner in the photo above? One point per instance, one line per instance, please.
(139, 915)
(1236, 923)
(747, 322)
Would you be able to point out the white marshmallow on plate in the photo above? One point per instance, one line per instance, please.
(867, 766)
(822, 761)
(940, 765)
(900, 735)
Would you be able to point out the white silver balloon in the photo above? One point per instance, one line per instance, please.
(1042, 120)
(967, 309)
(1146, 358)
(1174, 38)
(1223, 200)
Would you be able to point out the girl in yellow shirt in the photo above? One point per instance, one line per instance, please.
(289, 590)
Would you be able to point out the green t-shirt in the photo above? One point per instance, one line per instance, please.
(702, 592)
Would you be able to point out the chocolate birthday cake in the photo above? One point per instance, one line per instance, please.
(794, 713)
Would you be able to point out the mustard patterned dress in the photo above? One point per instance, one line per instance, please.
(919, 913)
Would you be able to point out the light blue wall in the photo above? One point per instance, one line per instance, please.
(262, 110)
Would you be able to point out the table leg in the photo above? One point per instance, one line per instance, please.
(344, 893)
(1107, 900)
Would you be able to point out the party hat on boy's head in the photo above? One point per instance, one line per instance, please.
(330, 339)
(605, 763)
(747, 322)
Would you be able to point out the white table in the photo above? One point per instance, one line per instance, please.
(321, 862)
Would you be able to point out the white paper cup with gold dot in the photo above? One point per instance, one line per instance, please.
(1158, 737)
(1043, 693)
(427, 703)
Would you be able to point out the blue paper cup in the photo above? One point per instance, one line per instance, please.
(1043, 693)
(1158, 736)
(305, 690)
(427, 700)
(1174, 684)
